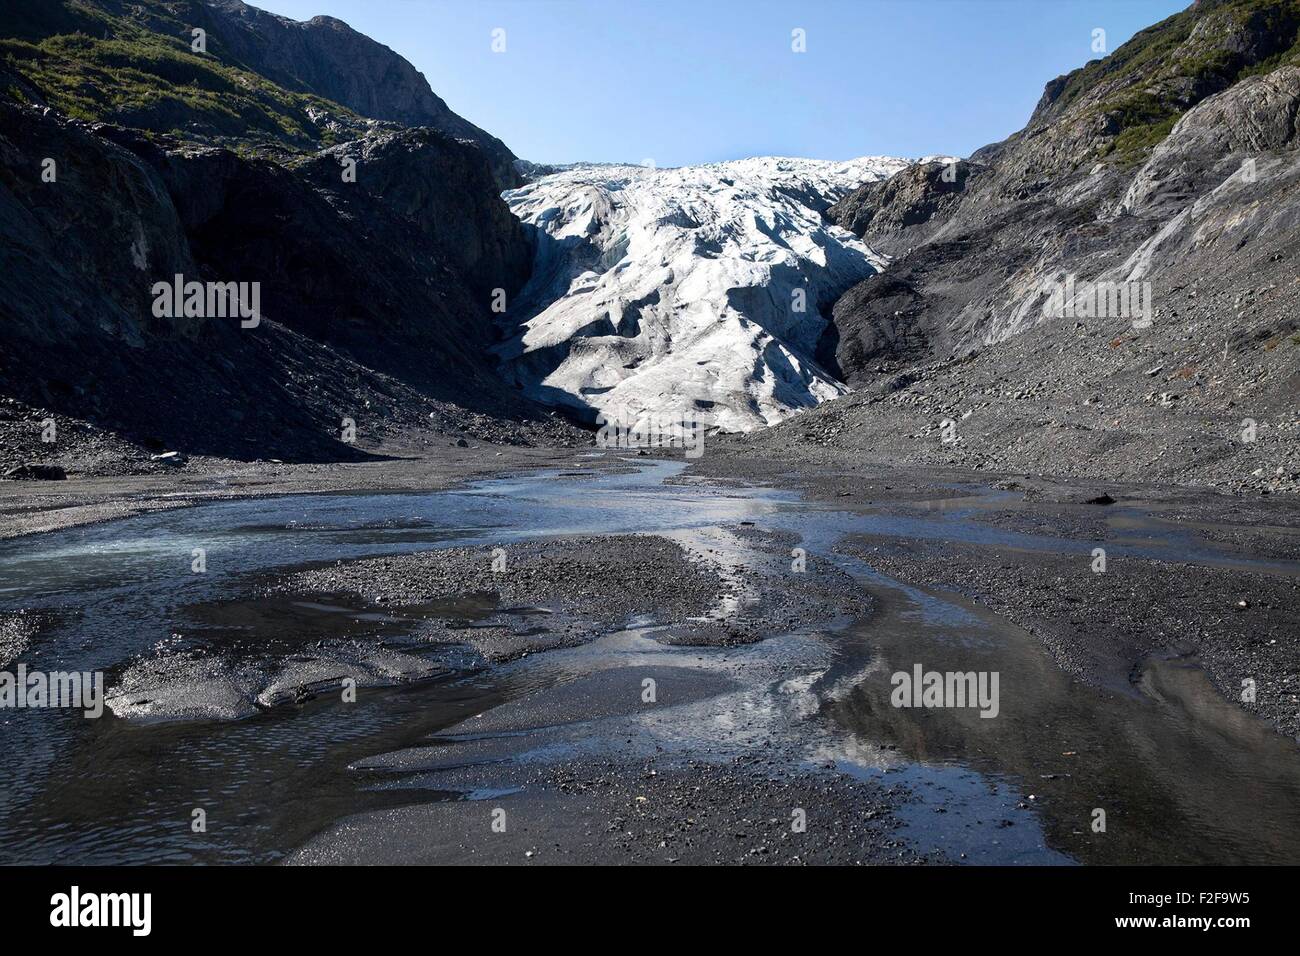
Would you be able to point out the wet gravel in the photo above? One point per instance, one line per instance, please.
(541, 594)
(746, 812)
(564, 592)
(32, 507)
(17, 628)
(1240, 624)
(661, 811)
(730, 805)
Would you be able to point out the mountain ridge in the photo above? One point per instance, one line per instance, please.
(1170, 163)
(261, 77)
(1194, 198)
(375, 248)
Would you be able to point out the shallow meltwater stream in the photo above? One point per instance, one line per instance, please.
(1183, 775)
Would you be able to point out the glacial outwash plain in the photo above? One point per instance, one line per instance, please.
(417, 502)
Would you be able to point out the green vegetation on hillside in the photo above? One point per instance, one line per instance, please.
(1164, 70)
(95, 63)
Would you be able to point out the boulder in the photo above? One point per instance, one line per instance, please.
(33, 471)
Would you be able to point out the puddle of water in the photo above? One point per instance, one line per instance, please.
(1179, 771)
(973, 818)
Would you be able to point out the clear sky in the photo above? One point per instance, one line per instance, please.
(695, 81)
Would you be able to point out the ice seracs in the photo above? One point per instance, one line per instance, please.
(696, 290)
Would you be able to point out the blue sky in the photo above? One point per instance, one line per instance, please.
(693, 81)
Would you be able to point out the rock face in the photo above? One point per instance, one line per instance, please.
(327, 57)
(1257, 116)
(436, 185)
(1076, 192)
(692, 291)
(1169, 170)
(374, 262)
(396, 269)
(891, 214)
(79, 253)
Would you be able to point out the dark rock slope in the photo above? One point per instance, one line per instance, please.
(1172, 162)
(368, 312)
(375, 291)
(327, 57)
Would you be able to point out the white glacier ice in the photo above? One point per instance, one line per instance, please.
(674, 290)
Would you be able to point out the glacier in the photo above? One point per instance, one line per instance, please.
(695, 290)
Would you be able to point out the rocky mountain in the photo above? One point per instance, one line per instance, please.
(1052, 199)
(1109, 292)
(893, 210)
(696, 290)
(260, 77)
(1169, 168)
(327, 57)
(373, 261)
